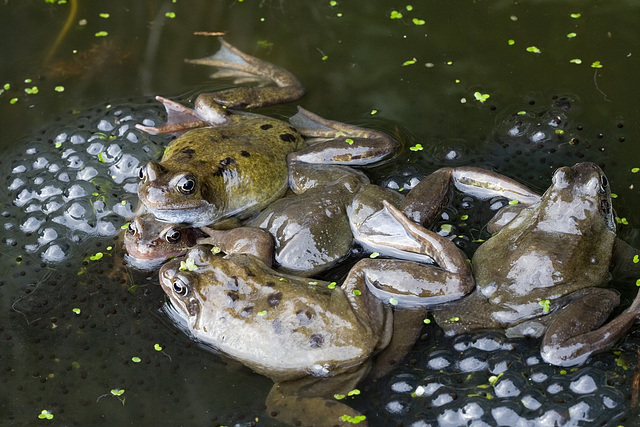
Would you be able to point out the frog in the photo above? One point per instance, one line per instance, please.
(149, 243)
(228, 162)
(314, 339)
(543, 274)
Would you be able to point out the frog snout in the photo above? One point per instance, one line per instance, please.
(150, 171)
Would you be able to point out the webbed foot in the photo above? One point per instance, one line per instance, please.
(243, 68)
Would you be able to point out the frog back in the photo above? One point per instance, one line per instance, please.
(241, 166)
(283, 327)
(524, 264)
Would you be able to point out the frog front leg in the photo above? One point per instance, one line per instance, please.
(241, 240)
(576, 332)
(210, 109)
(426, 200)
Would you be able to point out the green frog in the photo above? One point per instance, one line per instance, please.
(230, 162)
(543, 273)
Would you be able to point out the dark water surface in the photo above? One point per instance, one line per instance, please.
(70, 159)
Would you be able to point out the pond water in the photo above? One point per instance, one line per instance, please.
(561, 84)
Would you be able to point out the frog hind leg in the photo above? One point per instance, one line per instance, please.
(179, 119)
(578, 331)
(243, 68)
(315, 401)
(335, 143)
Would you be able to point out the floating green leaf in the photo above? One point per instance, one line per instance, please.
(533, 49)
(575, 15)
(77, 310)
(373, 112)
(353, 420)
(576, 61)
(356, 292)
(124, 226)
(546, 305)
(571, 35)
(45, 415)
(614, 196)
(596, 64)
(104, 15)
(635, 170)
(481, 97)
(393, 301)
(189, 265)
(157, 347)
(638, 282)
(464, 217)
(454, 319)
(417, 147)
(31, 90)
(493, 379)
(511, 42)
(417, 21)
(427, 321)
(339, 396)
(136, 359)
(331, 285)
(409, 8)
(170, 15)
(13, 100)
(96, 257)
(636, 259)
(374, 255)
(101, 34)
(349, 141)
(262, 313)
(409, 62)
(333, 3)
(117, 391)
(446, 228)
(513, 202)
(59, 88)
(396, 15)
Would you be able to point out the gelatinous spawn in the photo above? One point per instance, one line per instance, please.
(75, 180)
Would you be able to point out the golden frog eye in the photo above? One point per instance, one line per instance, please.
(186, 185)
(173, 235)
(180, 288)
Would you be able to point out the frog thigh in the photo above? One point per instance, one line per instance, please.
(576, 332)
(408, 283)
(311, 401)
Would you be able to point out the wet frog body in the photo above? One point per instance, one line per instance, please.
(232, 163)
(541, 275)
(281, 326)
(212, 172)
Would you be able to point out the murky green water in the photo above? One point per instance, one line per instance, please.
(352, 58)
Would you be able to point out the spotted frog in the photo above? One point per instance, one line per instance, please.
(542, 273)
(230, 162)
(313, 340)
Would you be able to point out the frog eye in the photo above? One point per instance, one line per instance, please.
(173, 235)
(180, 288)
(186, 185)
(604, 183)
(142, 172)
(131, 228)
